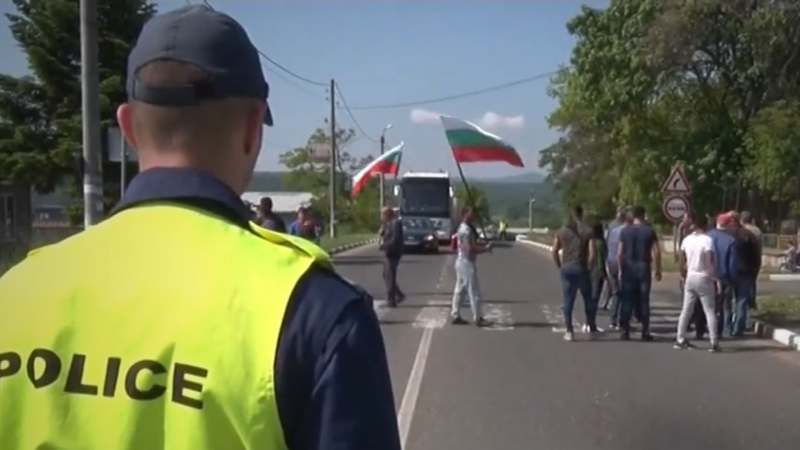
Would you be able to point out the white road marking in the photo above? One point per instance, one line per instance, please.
(555, 317)
(409, 402)
(499, 316)
(431, 316)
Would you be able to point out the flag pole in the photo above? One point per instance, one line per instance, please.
(471, 199)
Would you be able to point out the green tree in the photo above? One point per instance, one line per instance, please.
(655, 83)
(40, 114)
(773, 152)
(476, 198)
(314, 177)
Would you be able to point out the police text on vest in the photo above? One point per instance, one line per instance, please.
(142, 380)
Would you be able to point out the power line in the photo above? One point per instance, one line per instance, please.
(292, 83)
(276, 64)
(456, 96)
(301, 78)
(350, 113)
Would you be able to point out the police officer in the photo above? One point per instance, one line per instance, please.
(176, 323)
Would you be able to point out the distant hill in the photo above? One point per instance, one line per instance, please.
(508, 196)
(529, 177)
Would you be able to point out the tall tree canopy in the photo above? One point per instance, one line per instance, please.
(307, 175)
(653, 83)
(40, 113)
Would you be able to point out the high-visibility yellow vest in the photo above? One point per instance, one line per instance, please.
(156, 329)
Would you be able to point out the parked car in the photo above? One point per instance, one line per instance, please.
(490, 233)
(420, 235)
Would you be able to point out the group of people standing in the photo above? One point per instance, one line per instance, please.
(627, 256)
(719, 268)
(304, 225)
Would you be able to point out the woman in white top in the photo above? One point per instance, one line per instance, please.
(700, 282)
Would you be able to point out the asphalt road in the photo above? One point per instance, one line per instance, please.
(518, 385)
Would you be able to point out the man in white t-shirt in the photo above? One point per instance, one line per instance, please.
(466, 271)
(700, 282)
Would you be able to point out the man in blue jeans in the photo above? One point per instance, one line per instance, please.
(638, 250)
(624, 218)
(575, 241)
(748, 262)
(724, 245)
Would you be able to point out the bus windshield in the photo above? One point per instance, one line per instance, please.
(425, 197)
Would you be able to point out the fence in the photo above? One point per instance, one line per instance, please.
(776, 241)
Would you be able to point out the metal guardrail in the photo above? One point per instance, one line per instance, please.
(776, 241)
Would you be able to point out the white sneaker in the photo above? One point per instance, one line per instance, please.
(585, 328)
(569, 336)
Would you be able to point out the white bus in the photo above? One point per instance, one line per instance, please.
(429, 195)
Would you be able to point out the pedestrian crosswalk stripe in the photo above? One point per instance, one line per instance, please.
(499, 317)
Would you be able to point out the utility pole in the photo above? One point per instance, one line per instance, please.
(383, 179)
(332, 192)
(90, 103)
(531, 202)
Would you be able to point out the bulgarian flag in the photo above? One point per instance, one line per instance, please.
(472, 144)
(388, 164)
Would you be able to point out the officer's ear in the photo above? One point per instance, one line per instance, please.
(125, 121)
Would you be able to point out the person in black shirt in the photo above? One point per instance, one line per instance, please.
(748, 251)
(267, 218)
(638, 249)
(575, 241)
(392, 244)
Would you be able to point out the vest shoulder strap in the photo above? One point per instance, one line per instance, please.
(303, 245)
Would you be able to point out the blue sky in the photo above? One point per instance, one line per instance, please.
(387, 52)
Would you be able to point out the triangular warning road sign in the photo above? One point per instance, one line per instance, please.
(677, 183)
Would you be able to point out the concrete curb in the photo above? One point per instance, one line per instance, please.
(782, 336)
(343, 248)
(763, 330)
(761, 277)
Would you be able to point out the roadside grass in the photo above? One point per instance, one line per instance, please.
(343, 239)
(779, 310)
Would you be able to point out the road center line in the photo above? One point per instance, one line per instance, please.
(409, 402)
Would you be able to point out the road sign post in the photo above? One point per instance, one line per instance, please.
(677, 182)
(676, 190)
(675, 206)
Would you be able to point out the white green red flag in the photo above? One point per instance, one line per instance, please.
(472, 144)
(387, 164)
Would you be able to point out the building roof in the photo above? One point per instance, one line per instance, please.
(282, 202)
(408, 174)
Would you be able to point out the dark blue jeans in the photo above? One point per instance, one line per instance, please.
(724, 306)
(576, 278)
(393, 292)
(744, 291)
(635, 285)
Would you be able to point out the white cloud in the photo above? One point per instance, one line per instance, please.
(424, 117)
(494, 121)
(490, 120)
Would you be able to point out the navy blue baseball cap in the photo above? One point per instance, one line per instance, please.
(207, 39)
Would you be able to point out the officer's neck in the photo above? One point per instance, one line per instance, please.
(184, 160)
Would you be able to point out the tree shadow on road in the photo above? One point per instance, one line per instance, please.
(729, 346)
(395, 322)
(532, 325)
